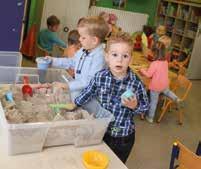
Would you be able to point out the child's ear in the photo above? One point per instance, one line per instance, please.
(96, 40)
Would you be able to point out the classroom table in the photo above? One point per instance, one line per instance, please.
(62, 157)
(139, 61)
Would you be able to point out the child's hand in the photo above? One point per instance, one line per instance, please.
(130, 103)
(49, 58)
(61, 85)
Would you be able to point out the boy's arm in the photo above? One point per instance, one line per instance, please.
(97, 64)
(142, 99)
(86, 94)
(64, 63)
(150, 71)
(58, 41)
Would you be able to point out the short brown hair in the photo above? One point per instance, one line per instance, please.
(52, 21)
(73, 37)
(120, 37)
(96, 27)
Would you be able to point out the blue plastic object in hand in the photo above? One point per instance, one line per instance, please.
(9, 96)
(43, 63)
(128, 94)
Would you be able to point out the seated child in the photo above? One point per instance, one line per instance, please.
(90, 58)
(108, 85)
(48, 37)
(73, 46)
(160, 31)
(178, 60)
(158, 72)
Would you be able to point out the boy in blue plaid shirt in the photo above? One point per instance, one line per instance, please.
(108, 85)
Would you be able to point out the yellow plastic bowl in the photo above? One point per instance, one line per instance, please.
(95, 160)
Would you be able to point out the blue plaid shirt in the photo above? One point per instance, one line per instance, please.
(108, 91)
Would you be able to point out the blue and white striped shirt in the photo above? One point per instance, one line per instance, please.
(108, 90)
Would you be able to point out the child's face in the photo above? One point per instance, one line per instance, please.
(54, 28)
(87, 41)
(118, 58)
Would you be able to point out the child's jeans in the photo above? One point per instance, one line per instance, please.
(154, 95)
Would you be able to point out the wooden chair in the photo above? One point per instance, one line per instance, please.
(57, 51)
(181, 87)
(186, 158)
(41, 52)
(180, 66)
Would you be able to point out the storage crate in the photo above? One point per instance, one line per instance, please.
(32, 137)
(10, 58)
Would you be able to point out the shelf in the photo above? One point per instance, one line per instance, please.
(184, 3)
(181, 21)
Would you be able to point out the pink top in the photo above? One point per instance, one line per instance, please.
(158, 72)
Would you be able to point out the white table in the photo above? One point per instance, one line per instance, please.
(63, 157)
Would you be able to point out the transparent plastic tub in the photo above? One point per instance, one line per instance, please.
(11, 75)
(10, 58)
(32, 137)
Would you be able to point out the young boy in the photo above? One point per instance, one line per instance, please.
(90, 58)
(48, 37)
(108, 85)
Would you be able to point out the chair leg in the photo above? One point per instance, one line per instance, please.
(163, 111)
(180, 113)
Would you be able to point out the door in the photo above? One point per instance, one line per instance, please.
(11, 16)
(194, 69)
(68, 11)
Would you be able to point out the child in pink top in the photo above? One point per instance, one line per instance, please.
(158, 72)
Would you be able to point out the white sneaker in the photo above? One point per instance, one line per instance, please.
(149, 119)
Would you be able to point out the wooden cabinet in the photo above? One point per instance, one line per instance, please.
(182, 20)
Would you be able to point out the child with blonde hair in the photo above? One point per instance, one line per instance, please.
(89, 59)
(119, 91)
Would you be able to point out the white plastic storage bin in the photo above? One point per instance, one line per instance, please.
(11, 75)
(32, 137)
(23, 138)
(10, 58)
(79, 132)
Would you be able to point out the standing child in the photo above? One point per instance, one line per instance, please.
(158, 72)
(109, 85)
(90, 58)
(48, 37)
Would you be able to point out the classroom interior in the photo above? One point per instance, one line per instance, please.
(172, 140)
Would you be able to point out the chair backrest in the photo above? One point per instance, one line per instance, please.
(184, 84)
(57, 51)
(186, 158)
(40, 51)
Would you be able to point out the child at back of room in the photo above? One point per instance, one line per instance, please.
(48, 37)
(158, 72)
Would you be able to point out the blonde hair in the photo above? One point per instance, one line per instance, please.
(161, 30)
(120, 37)
(96, 26)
